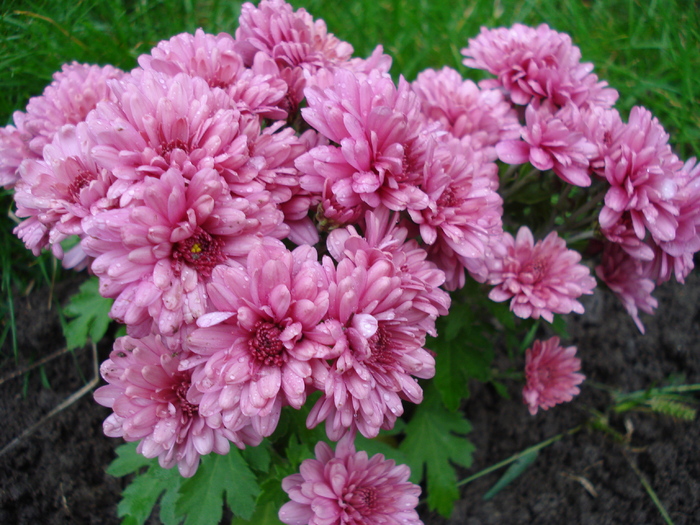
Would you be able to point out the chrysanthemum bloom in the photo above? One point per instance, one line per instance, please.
(464, 210)
(262, 335)
(258, 89)
(464, 109)
(380, 336)
(536, 63)
(677, 255)
(350, 488)
(552, 375)
(383, 231)
(382, 150)
(551, 141)
(160, 122)
(156, 255)
(642, 174)
(13, 150)
(74, 92)
(56, 193)
(625, 276)
(154, 402)
(540, 279)
(292, 38)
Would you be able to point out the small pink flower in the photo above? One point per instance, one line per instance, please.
(464, 212)
(536, 63)
(59, 191)
(154, 402)
(551, 141)
(378, 315)
(641, 170)
(262, 336)
(156, 255)
(540, 279)
(552, 375)
(349, 488)
(625, 276)
(258, 89)
(382, 149)
(464, 109)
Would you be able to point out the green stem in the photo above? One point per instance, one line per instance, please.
(650, 491)
(520, 454)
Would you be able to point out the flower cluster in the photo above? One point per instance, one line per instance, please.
(275, 218)
(647, 217)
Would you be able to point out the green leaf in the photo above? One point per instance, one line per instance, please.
(434, 440)
(266, 514)
(139, 498)
(382, 444)
(258, 457)
(91, 315)
(202, 496)
(517, 468)
(127, 461)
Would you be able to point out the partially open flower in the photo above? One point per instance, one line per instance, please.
(552, 375)
(348, 487)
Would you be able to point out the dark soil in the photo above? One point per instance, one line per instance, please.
(57, 475)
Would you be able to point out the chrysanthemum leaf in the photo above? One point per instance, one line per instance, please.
(127, 461)
(434, 440)
(510, 475)
(90, 315)
(266, 514)
(202, 496)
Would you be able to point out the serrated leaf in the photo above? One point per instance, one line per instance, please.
(127, 461)
(202, 496)
(265, 514)
(258, 458)
(514, 471)
(434, 440)
(379, 445)
(90, 312)
(559, 326)
(139, 498)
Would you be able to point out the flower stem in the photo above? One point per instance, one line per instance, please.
(650, 490)
(520, 454)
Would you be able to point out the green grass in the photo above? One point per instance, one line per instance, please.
(648, 50)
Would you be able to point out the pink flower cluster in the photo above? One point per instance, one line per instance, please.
(259, 253)
(648, 216)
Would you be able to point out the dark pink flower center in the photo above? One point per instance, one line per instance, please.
(537, 268)
(167, 147)
(265, 344)
(82, 179)
(188, 409)
(364, 501)
(201, 251)
(380, 345)
(448, 199)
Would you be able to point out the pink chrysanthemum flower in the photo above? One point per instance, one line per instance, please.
(258, 89)
(74, 92)
(263, 334)
(382, 231)
(56, 193)
(552, 375)
(155, 402)
(641, 171)
(551, 141)
(536, 63)
(13, 150)
(156, 255)
(540, 279)
(464, 109)
(380, 335)
(350, 488)
(161, 122)
(292, 38)
(625, 277)
(382, 150)
(464, 210)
